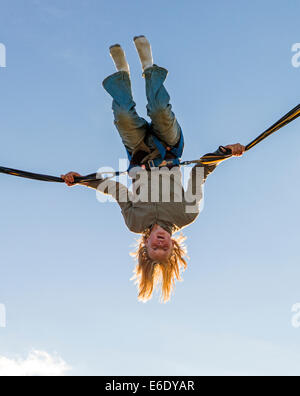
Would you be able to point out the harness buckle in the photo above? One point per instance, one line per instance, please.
(151, 164)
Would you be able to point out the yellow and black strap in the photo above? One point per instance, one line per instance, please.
(220, 155)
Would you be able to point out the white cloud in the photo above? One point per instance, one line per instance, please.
(37, 363)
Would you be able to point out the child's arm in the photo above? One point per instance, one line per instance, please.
(106, 186)
(197, 178)
(200, 172)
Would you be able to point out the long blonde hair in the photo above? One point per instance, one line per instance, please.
(149, 274)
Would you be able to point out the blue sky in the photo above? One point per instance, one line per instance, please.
(65, 267)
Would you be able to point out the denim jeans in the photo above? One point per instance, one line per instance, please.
(134, 129)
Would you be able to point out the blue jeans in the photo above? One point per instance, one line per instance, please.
(134, 129)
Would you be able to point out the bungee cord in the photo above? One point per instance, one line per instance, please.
(207, 159)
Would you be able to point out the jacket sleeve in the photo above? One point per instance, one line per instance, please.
(196, 181)
(113, 188)
(200, 173)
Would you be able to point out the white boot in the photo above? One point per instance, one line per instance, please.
(144, 50)
(119, 58)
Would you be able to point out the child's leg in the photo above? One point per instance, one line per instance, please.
(131, 127)
(159, 110)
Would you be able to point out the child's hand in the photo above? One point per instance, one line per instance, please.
(69, 178)
(236, 149)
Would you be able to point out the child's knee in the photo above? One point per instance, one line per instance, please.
(162, 116)
(124, 120)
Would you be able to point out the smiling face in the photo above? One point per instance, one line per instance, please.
(159, 244)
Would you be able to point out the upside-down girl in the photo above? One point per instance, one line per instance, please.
(159, 206)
